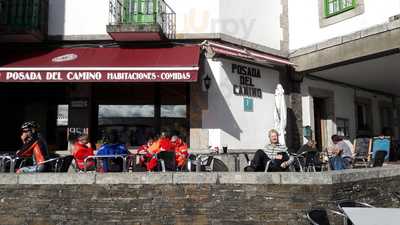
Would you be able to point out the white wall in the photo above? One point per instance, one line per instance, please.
(78, 17)
(344, 99)
(304, 26)
(257, 21)
(226, 120)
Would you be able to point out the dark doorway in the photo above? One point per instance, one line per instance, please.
(26, 102)
(320, 117)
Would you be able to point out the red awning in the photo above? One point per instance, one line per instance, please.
(175, 64)
(246, 54)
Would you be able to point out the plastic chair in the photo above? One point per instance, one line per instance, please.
(319, 216)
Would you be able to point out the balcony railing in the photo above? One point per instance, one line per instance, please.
(20, 16)
(144, 12)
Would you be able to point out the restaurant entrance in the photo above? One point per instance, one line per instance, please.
(39, 102)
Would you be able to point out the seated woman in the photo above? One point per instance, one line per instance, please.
(274, 152)
(82, 150)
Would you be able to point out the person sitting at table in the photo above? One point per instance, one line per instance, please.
(342, 154)
(310, 152)
(163, 143)
(33, 146)
(145, 155)
(181, 151)
(112, 146)
(81, 150)
(274, 152)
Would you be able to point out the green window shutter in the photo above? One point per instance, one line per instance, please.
(334, 7)
(140, 11)
(147, 11)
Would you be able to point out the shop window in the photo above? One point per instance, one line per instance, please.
(342, 127)
(134, 124)
(174, 120)
(173, 111)
(334, 7)
(125, 111)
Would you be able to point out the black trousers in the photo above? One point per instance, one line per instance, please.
(261, 159)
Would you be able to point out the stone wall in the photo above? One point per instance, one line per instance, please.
(187, 198)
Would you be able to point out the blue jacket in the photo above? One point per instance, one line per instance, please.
(111, 149)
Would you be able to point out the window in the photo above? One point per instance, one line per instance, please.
(173, 111)
(342, 127)
(62, 115)
(125, 111)
(334, 7)
(132, 123)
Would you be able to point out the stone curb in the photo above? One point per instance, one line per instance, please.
(318, 178)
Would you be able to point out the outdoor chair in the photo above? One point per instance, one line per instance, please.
(108, 163)
(58, 164)
(396, 194)
(379, 158)
(319, 216)
(353, 204)
(207, 163)
(311, 161)
(63, 164)
(362, 149)
(166, 161)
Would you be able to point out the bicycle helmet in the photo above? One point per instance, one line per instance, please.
(30, 125)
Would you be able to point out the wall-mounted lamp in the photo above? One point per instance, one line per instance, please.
(207, 82)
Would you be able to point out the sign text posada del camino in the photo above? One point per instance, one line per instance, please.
(94, 76)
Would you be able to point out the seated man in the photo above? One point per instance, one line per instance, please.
(83, 149)
(163, 143)
(33, 146)
(342, 154)
(181, 151)
(146, 157)
(274, 152)
(112, 146)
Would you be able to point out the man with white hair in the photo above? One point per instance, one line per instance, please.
(274, 152)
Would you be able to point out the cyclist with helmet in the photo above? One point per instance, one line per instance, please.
(33, 146)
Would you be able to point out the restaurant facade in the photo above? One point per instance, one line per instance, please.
(207, 93)
(139, 69)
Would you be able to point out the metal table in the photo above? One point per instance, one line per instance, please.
(373, 216)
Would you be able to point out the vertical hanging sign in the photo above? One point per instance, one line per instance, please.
(248, 104)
